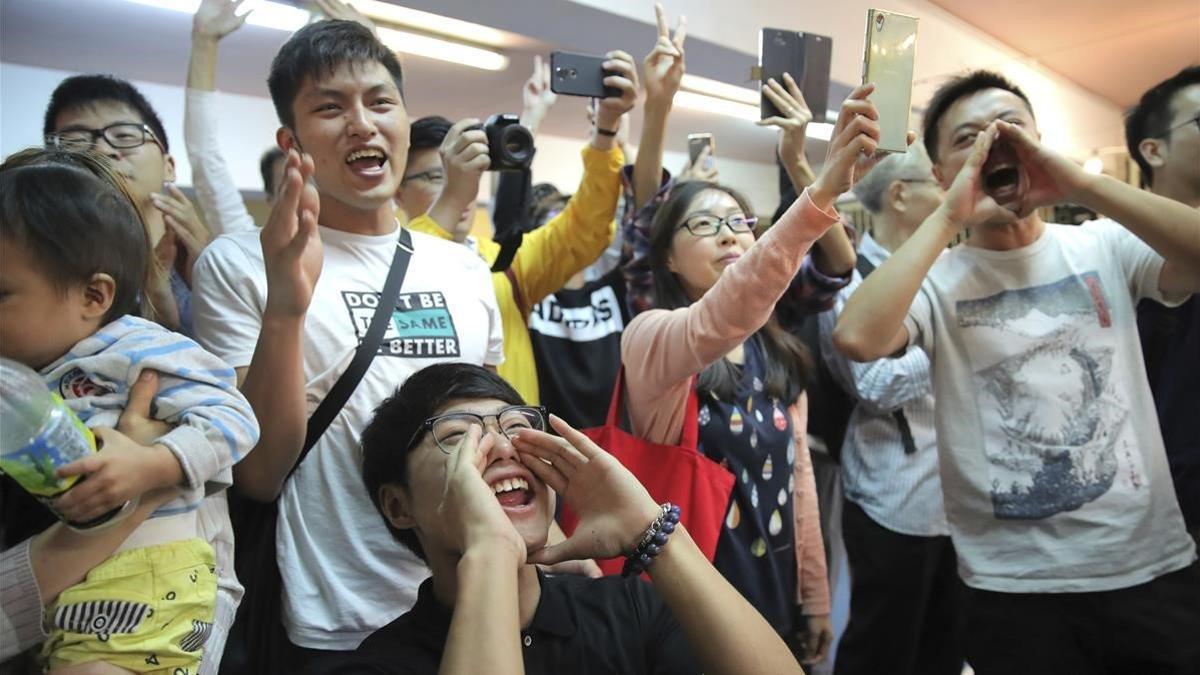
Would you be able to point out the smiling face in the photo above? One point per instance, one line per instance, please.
(526, 500)
(698, 261)
(354, 124)
(1004, 178)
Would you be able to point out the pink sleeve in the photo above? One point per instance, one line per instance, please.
(812, 577)
(663, 349)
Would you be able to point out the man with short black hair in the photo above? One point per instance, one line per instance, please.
(288, 306)
(1163, 135)
(463, 473)
(110, 116)
(1056, 484)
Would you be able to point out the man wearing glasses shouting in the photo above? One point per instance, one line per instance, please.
(111, 117)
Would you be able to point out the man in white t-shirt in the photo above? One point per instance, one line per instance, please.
(288, 306)
(1057, 491)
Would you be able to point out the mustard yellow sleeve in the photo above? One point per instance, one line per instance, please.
(423, 223)
(572, 240)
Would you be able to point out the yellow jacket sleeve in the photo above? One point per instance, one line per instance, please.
(572, 240)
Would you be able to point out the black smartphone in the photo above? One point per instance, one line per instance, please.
(807, 57)
(579, 75)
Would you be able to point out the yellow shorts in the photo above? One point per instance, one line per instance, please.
(148, 610)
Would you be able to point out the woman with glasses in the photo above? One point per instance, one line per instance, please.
(712, 330)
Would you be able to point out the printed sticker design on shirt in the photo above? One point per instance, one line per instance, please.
(101, 618)
(76, 384)
(1052, 419)
(421, 324)
(599, 319)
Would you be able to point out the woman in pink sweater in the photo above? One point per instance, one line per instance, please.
(713, 330)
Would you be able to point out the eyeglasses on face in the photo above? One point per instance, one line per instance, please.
(1194, 119)
(706, 225)
(448, 430)
(119, 136)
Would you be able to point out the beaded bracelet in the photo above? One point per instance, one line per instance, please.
(652, 541)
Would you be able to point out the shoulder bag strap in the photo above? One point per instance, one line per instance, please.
(364, 355)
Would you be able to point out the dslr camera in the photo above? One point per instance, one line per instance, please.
(510, 145)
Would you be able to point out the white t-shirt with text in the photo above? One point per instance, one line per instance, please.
(1052, 462)
(344, 575)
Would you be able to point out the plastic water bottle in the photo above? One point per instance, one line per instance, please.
(39, 435)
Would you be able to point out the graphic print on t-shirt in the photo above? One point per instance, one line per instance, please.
(421, 324)
(599, 319)
(1055, 427)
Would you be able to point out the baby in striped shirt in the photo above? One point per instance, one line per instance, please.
(73, 257)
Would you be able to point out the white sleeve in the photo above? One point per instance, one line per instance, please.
(216, 191)
(495, 346)
(1140, 265)
(228, 302)
(883, 385)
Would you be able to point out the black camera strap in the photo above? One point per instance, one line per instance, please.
(336, 399)
(511, 215)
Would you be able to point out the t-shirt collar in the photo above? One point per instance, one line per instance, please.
(553, 614)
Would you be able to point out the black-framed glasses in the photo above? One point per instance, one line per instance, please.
(119, 136)
(1194, 119)
(448, 430)
(432, 176)
(917, 180)
(706, 225)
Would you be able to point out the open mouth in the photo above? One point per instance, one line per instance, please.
(513, 493)
(367, 161)
(1002, 175)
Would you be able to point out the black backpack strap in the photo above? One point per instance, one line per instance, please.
(365, 354)
(865, 267)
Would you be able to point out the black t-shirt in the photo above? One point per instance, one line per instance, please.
(576, 336)
(582, 626)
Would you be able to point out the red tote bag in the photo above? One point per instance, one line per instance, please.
(679, 474)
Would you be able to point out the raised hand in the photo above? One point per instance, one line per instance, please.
(1052, 178)
(465, 158)
(793, 118)
(664, 66)
(470, 513)
(344, 11)
(214, 19)
(610, 108)
(851, 148)
(536, 96)
(967, 203)
(181, 219)
(614, 509)
(291, 242)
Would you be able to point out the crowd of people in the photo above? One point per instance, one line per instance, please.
(397, 418)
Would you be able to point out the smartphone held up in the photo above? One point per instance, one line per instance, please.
(888, 59)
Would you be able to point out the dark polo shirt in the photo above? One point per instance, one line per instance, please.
(582, 626)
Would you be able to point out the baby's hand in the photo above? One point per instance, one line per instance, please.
(121, 471)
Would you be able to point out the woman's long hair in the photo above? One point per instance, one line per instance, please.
(788, 362)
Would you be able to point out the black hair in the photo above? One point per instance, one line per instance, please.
(316, 51)
(82, 91)
(788, 360)
(959, 88)
(266, 166)
(1151, 117)
(75, 218)
(428, 133)
(385, 440)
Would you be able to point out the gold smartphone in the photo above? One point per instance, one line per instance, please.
(888, 59)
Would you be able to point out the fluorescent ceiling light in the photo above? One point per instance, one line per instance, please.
(279, 16)
(432, 23)
(442, 50)
(720, 106)
(710, 87)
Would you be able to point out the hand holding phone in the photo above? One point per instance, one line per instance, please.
(579, 75)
